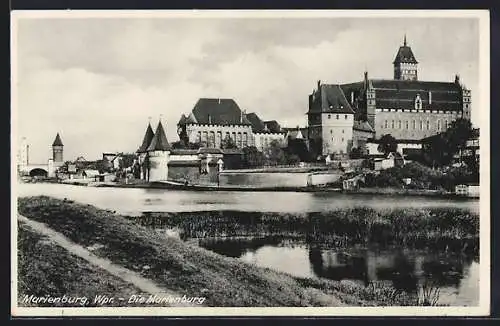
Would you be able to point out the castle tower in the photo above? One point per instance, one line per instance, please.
(371, 102)
(158, 155)
(405, 64)
(466, 99)
(57, 151)
(142, 152)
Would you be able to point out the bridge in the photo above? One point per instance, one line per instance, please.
(35, 169)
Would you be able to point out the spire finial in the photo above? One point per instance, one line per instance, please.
(404, 43)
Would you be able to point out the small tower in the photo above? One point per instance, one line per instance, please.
(466, 99)
(142, 152)
(158, 155)
(57, 151)
(371, 102)
(405, 64)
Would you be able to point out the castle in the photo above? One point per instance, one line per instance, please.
(346, 116)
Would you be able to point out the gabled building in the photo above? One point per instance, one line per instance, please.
(213, 120)
(330, 121)
(264, 132)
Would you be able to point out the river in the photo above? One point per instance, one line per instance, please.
(135, 201)
(456, 276)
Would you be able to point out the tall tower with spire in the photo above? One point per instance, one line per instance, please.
(57, 151)
(405, 64)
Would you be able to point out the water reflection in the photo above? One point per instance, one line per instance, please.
(457, 276)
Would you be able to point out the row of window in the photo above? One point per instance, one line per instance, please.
(331, 131)
(333, 139)
(337, 116)
(398, 124)
(214, 139)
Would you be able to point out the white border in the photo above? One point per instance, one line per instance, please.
(483, 104)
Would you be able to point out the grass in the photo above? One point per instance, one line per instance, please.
(440, 229)
(187, 269)
(47, 269)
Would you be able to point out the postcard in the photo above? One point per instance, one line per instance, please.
(250, 163)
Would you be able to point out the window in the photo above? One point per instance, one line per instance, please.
(198, 140)
(399, 124)
(392, 124)
(421, 125)
(345, 116)
(428, 124)
(245, 139)
(439, 124)
(333, 139)
(342, 130)
(413, 124)
(218, 140)
(342, 139)
(329, 116)
(406, 124)
(211, 140)
(446, 124)
(385, 124)
(337, 117)
(331, 131)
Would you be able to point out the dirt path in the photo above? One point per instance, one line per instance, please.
(125, 274)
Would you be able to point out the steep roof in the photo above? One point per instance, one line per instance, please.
(333, 100)
(273, 126)
(405, 54)
(218, 112)
(257, 124)
(401, 94)
(148, 136)
(159, 141)
(57, 141)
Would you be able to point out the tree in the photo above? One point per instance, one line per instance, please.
(457, 134)
(252, 157)
(126, 160)
(275, 154)
(228, 143)
(387, 144)
(297, 147)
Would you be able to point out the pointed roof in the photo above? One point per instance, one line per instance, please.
(405, 54)
(57, 141)
(148, 136)
(159, 141)
(218, 111)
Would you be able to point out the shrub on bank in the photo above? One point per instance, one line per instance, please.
(437, 228)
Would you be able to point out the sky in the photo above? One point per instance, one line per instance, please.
(97, 81)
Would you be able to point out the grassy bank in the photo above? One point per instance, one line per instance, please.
(441, 229)
(47, 269)
(189, 269)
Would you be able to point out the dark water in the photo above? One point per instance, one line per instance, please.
(457, 276)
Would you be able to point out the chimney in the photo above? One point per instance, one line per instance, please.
(457, 79)
(319, 83)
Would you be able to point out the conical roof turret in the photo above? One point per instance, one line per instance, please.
(159, 141)
(57, 141)
(148, 137)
